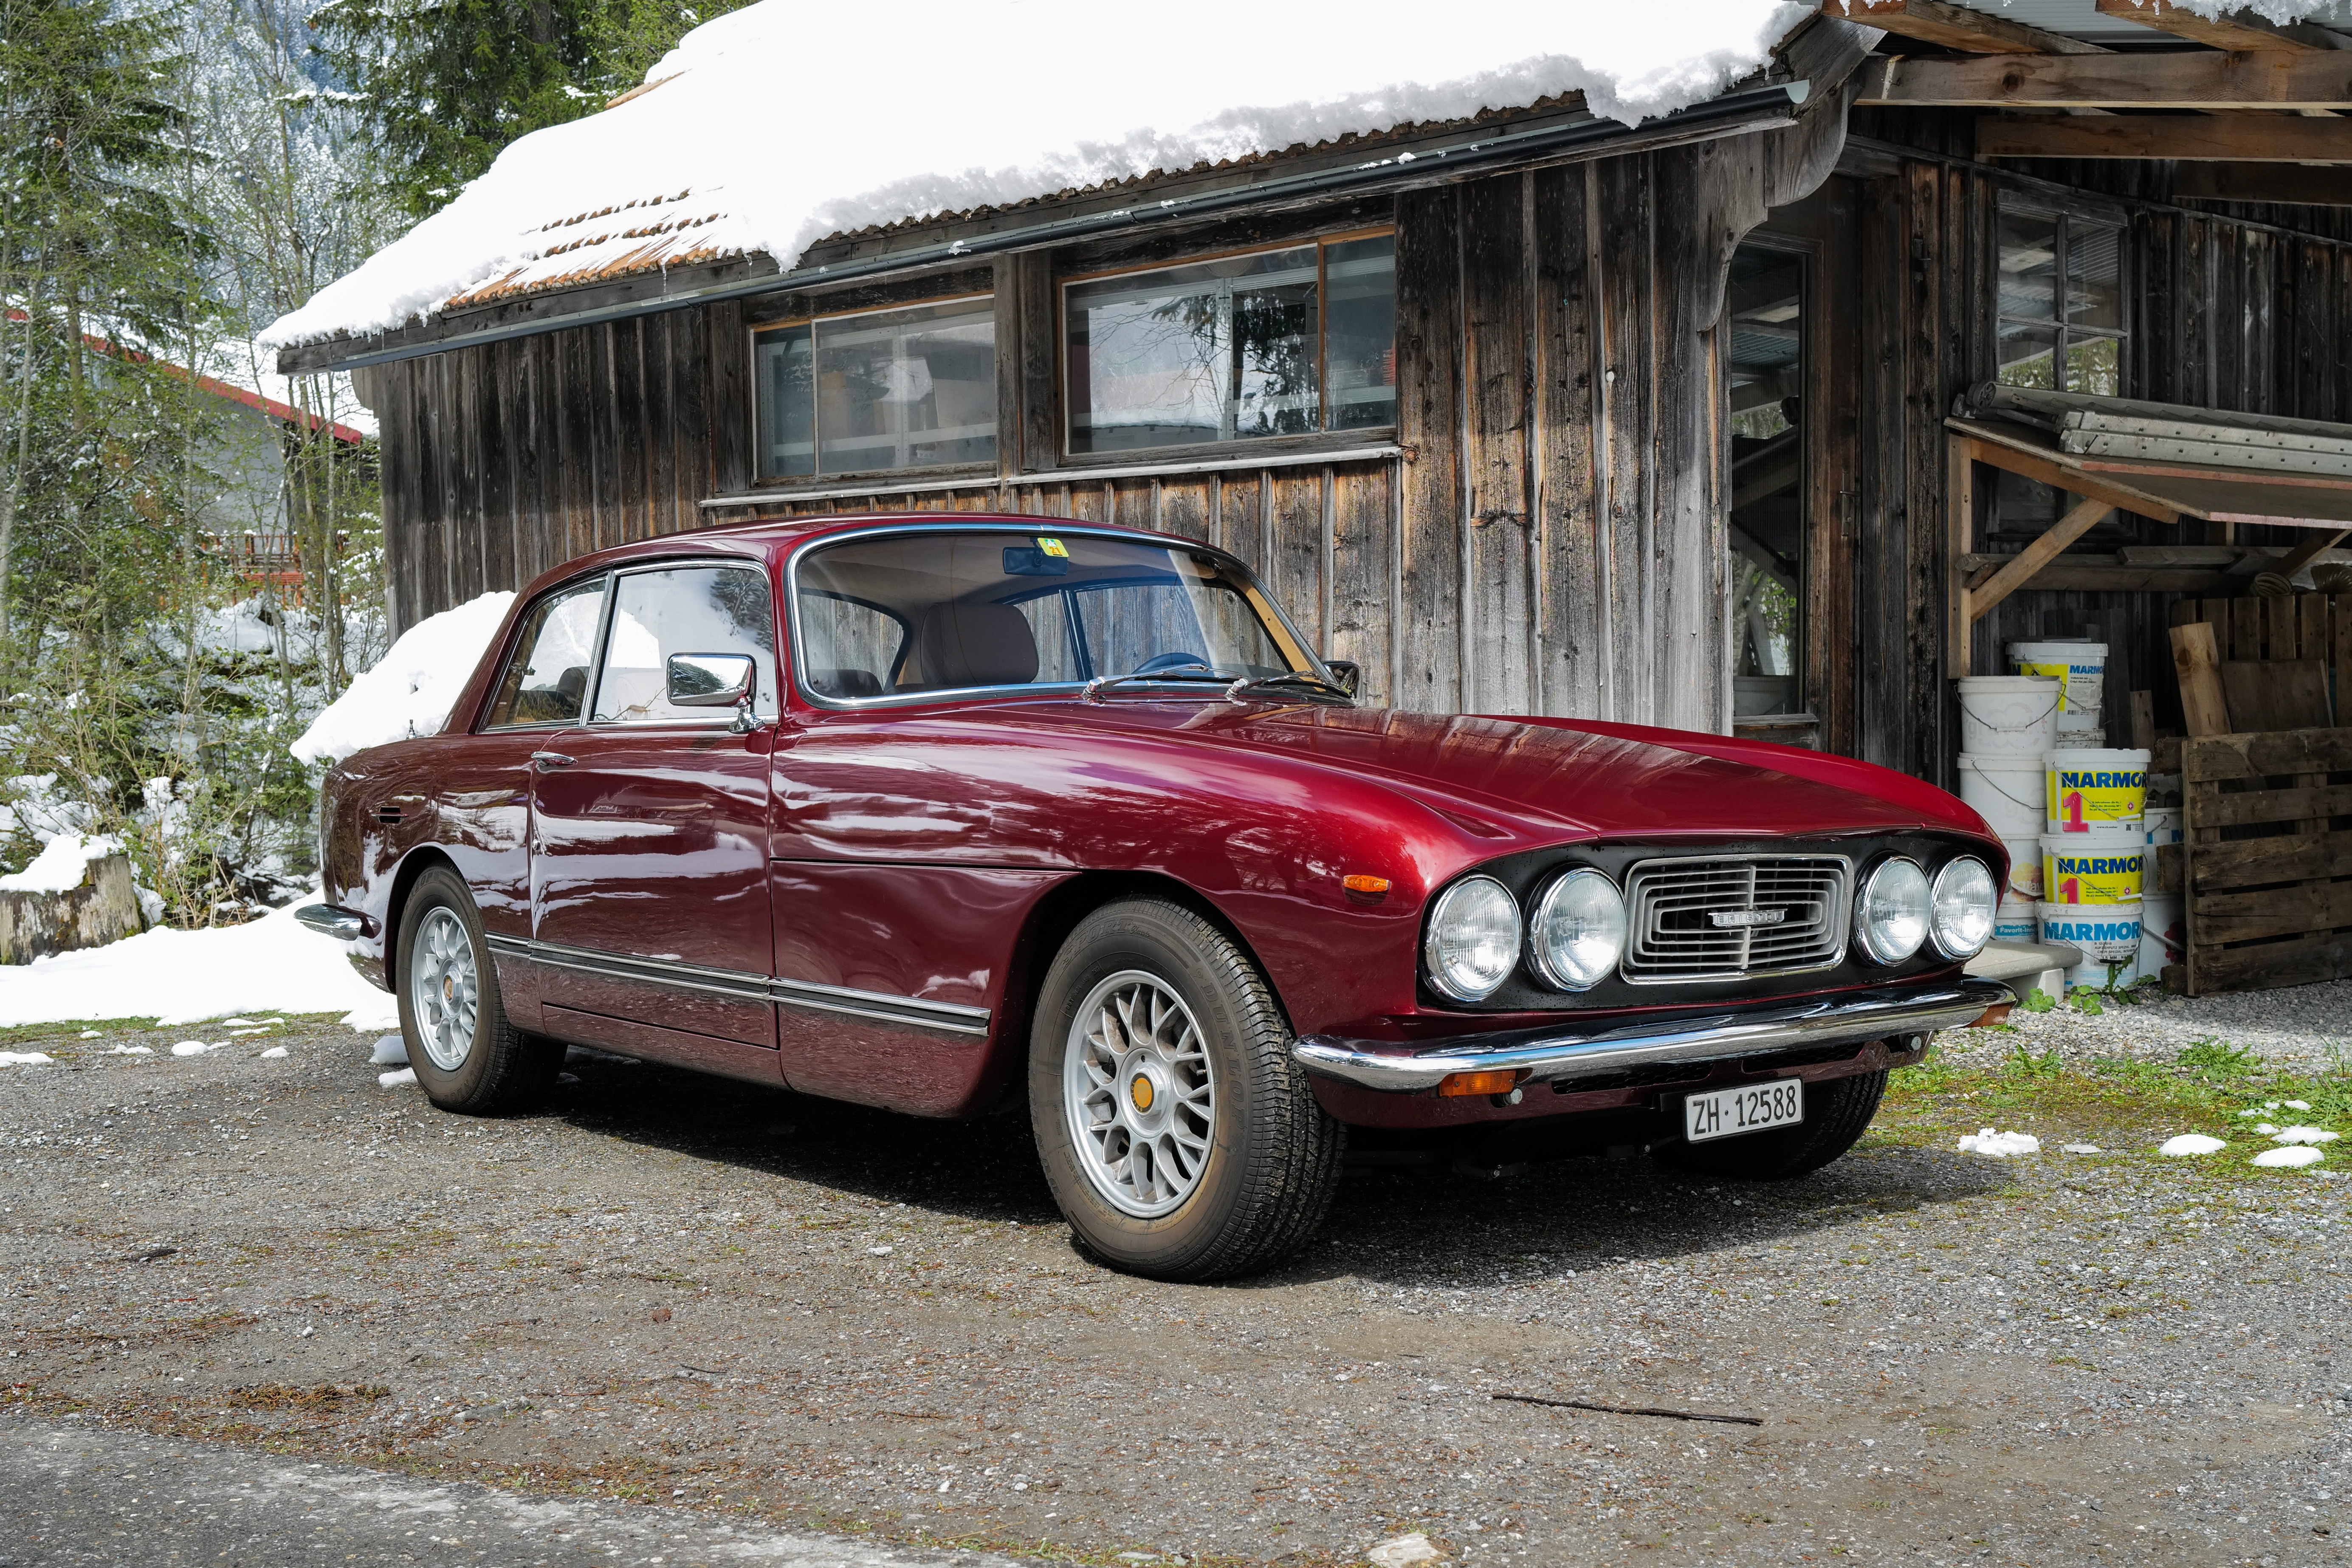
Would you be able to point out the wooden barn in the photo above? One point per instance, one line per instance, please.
(1687, 422)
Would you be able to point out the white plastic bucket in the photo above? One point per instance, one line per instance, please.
(2079, 740)
(2163, 932)
(2162, 825)
(2104, 933)
(2007, 791)
(2009, 715)
(2087, 788)
(2080, 666)
(2025, 867)
(2017, 922)
(2101, 866)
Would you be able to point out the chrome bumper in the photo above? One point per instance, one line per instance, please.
(1554, 1054)
(329, 919)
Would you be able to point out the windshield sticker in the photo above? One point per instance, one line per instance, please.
(1051, 546)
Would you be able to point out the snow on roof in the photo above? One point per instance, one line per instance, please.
(774, 126)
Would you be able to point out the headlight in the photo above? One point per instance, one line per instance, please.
(1473, 942)
(1965, 899)
(1578, 929)
(1890, 919)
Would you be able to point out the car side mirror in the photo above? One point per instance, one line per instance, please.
(1348, 673)
(711, 679)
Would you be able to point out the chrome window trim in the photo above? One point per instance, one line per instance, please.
(744, 986)
(1845, 918)
(613, 575)
(791, 588)
(596, 657)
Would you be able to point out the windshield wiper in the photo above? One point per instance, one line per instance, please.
(1317, 689)
(1196, 670)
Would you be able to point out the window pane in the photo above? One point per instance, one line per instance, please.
(850, 650)
(2094, 276)
(786, 396)
(1211, 352)
(2095, 364)
(548, 678)
(2025, 355)
(2029, 266)
(1359, 332)
(692, 609)
(1765, 367)
(906, 389)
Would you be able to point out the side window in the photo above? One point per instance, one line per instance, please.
(683, 609)
(853, 649)
(546, 680)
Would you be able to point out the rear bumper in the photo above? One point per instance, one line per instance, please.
(1556, 1055)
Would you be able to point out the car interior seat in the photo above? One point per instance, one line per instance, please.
(970, 642)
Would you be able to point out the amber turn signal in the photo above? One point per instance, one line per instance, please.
(1501, 1081)
(1363, 884)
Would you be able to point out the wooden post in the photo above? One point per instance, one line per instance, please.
(2197, 658)
(2143, 720)
(1960, 523)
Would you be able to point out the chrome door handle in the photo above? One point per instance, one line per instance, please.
(547, 760)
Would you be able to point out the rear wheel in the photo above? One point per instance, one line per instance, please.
(467, 1056)
(1837, 1113)
(1181, 1140)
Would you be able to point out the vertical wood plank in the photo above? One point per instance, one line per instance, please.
(1006, 307)
(1291, 559)
(1572, 667)
(633, 484)
(1040, 361)
(1429, 421)
(1625, 262)
(1497, 677)
(665, 514)
(729, 350)
(495, 422)
(396, 454)
(696, 440)
(1363, 552)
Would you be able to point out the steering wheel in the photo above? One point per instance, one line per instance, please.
(1169, 661)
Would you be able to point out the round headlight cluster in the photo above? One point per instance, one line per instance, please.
(1473, 942)
(1578, 929)
(1965, 901)
(1890, 918)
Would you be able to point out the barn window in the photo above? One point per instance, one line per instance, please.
(1291, 341)
(880, 390)
(2061, 304)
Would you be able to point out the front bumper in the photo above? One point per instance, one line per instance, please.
(1556, 1055)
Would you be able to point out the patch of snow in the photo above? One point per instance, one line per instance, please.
(180, 977)
(2190, 1144)
(690, 169)
(2082, 1147)
(399, 1079)
(192, 1048)
(92, 1034)
(411, 689)
(273, 1052)
(23, 1059)
(62, 864)
(1402, 1551)
(2288, 1159)
(1999, 1145)
(130, 1051)
(392, 1051)
(2294, 1105)
(2264, 1127)
(2303, 1135)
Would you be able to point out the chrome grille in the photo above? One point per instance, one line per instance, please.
(1714, 917)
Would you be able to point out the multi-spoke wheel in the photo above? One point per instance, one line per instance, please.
(467, 1057)
(1180, 1138)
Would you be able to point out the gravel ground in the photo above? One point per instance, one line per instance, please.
(2309, 1026)
(754, 1307)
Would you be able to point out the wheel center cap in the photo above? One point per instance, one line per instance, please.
(1141, 1092)
(449, 988)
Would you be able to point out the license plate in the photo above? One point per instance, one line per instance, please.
(1729, 1112)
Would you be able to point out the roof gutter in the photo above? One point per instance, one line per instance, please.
(1751, 108)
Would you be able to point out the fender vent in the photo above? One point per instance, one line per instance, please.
(390, 815)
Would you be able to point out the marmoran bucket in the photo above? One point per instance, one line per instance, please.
(2101, 866)
(2088, 789)
(2081, 667)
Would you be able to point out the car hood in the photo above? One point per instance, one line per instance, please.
(1509, 777)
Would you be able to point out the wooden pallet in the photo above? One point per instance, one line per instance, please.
(2267, 864)
(2300, 626)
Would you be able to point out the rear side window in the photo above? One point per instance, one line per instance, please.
(683, 609)
(546, 680)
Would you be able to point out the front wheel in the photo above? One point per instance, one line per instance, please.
(467, 1056)
(1181, 1140)
(1837, 1113)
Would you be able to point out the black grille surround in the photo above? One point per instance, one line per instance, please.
(1527, 874)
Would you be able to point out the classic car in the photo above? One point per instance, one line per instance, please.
(951, 813)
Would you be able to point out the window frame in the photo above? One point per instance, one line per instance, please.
(1145, 456)
(516, 650)
(2064, 216)
(785, 483)
(1807, 254)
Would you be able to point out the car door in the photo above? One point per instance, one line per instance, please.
(649, 854)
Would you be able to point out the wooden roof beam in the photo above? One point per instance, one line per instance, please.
(1957, 28)
(2293, 185)
(2242, 31)
(2313, 78)
(2198, 138)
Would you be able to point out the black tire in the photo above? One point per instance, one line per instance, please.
(1271, 1156)
(1837, 1113)
(500, 1068)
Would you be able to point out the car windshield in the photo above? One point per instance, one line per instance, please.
(939, 610)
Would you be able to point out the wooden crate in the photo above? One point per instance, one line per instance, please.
(2267, 865)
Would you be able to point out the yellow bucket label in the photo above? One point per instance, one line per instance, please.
(2107, 875)
(2087, 796)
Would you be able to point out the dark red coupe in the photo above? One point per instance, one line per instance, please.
(938, 813)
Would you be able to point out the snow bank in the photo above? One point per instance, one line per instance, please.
(1999, 1145)
(62, 864)
(23, 1059)
(411, 689)
(270, 966)
(2288, 1159)
(2190, 1144)
(742, 147)
(2303, 1135)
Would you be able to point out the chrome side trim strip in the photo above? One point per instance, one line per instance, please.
(743, 986)
(332, 920)
(1547, 1056)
